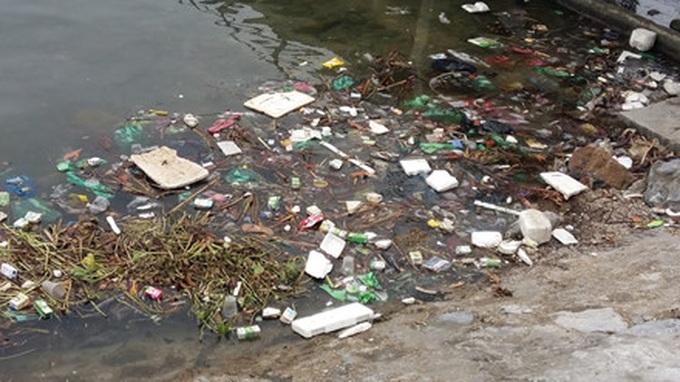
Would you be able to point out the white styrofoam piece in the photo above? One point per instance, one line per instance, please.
(277, 105)
(415, 166)
(563, 236)
(477, 7)
(353, 330)
(332, 245)
(441, 181)
(352, 206)
(642, 39)
(564, 183)
(318, 266)
(332, 320)
(377, 128)
(229, 148)
(486, 239)
(535, 225)
(509, 247)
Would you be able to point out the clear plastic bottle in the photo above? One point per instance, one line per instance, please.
(230, 307)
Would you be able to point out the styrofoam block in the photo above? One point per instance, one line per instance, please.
(509, 247)
(377, 128)
(415, 166)
(486, 239)
(535, 225)
(441, 181)
(564, 183)
(478, 7)
(332, 245)
(332, 320)
(229, 148)
(642, 39)
(563, 236)
(318, 266)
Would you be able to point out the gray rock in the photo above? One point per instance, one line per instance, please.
(671, 87)
(592, 320)
(663, 185)
(660, 328)
(459, 318)
(675, 25)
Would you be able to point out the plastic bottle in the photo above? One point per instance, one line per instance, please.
(348, 266)
(99, 205)
(357, 238)
(230, 307)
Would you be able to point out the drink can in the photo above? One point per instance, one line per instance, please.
(44, 310)
(8, 271)
(153, 293)
(248, 332)
(18, 302)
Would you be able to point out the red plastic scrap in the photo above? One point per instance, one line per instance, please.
(521, 50)
(311, 221)
(497, 59)
(223, 124)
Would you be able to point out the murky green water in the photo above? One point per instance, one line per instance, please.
(71, 71)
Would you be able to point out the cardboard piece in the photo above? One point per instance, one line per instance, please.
(277, 105)
(168, 170)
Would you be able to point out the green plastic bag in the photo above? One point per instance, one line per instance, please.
(340, 295)
(420, 102)
(128, 134)
(49, 214)
(342, 83)
(95, 187)
(241, 175)
(443, 115)
(370, 280)
(432, 147)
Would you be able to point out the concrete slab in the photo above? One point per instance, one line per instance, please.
(661, 120)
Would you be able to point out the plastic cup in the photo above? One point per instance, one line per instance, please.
(56, 290)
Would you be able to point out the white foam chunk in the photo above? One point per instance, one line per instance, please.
(535, 225)
(377, 128)
(486, 239)
(229, 148)
(415, 166)
(642, 39)
(318, 266)
(564, 183)
(332, 320)
(563, 236)
(441, 181)
(332, 245)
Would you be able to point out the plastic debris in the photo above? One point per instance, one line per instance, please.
(333, 63)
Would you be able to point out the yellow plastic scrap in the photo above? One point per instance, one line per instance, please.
(160, 113)
(433, 223)
(333, 63)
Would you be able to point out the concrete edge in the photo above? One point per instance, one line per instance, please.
(648, 132)
(667, 40)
